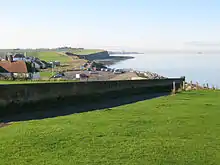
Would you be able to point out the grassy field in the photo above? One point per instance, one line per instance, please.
(51, 56)
(181, 129)
(87, 51)
(46, 74)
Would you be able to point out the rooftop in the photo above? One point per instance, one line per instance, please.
(19, 55)
(14, 67)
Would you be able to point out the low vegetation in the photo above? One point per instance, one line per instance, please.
(51, 56)
(178, 129)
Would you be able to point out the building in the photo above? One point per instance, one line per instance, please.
(39, 64)
(19, 57)
(14, 69)
(17, 69)
(54, 63)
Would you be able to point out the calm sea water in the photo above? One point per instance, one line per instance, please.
(202, 68)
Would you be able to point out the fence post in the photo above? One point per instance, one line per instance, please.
(213, 87)
(207, 85)
(174, 87)
(197, 85)
(183, 87)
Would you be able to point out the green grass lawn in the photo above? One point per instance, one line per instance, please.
(46, 74)
(87, 51)
(50, 56)
(183, 129)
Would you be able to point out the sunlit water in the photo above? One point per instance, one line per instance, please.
(202, 68)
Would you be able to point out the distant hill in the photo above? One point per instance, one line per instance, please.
(122, 52)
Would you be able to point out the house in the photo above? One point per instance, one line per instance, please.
(19, 57)
(28, 59)
(54, 63)
(37, 64)
(17, 69)
(41, 64)
(14, 69)
(45, 64)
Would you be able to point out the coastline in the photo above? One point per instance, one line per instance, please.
(109, 62)
(113, 60)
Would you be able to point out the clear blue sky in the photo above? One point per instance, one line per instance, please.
(131, 24)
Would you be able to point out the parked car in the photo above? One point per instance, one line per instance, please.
(93, 72)
(118, 71)
(58, 75)
(83, 75)
(108, 69)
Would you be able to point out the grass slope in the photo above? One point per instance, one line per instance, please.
(87, 51)
(51, 56)
(46, 74)
(181, 129)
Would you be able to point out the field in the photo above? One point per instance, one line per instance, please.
(2, 54)
(46, 74)
(55, 56)
(86, 51)
(179, 129)
(50, 56)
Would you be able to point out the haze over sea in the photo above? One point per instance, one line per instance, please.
(202, 68)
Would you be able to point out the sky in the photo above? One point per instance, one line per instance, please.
(110, 24)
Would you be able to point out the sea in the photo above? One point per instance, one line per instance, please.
(201, 68)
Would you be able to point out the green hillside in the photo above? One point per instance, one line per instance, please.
(87, 51)
(181, 129)
(50, 56)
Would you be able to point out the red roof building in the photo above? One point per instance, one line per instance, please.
(14, 67)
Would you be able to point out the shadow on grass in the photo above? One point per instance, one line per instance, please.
(68, 109)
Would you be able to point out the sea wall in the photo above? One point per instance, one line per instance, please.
(25, 93)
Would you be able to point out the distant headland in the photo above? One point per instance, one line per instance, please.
(123, 52)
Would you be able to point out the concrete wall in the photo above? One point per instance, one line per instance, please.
(16, 75)
(28, 93)
(6, 74)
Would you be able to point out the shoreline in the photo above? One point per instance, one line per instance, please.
(113, 60)
(109, 62)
